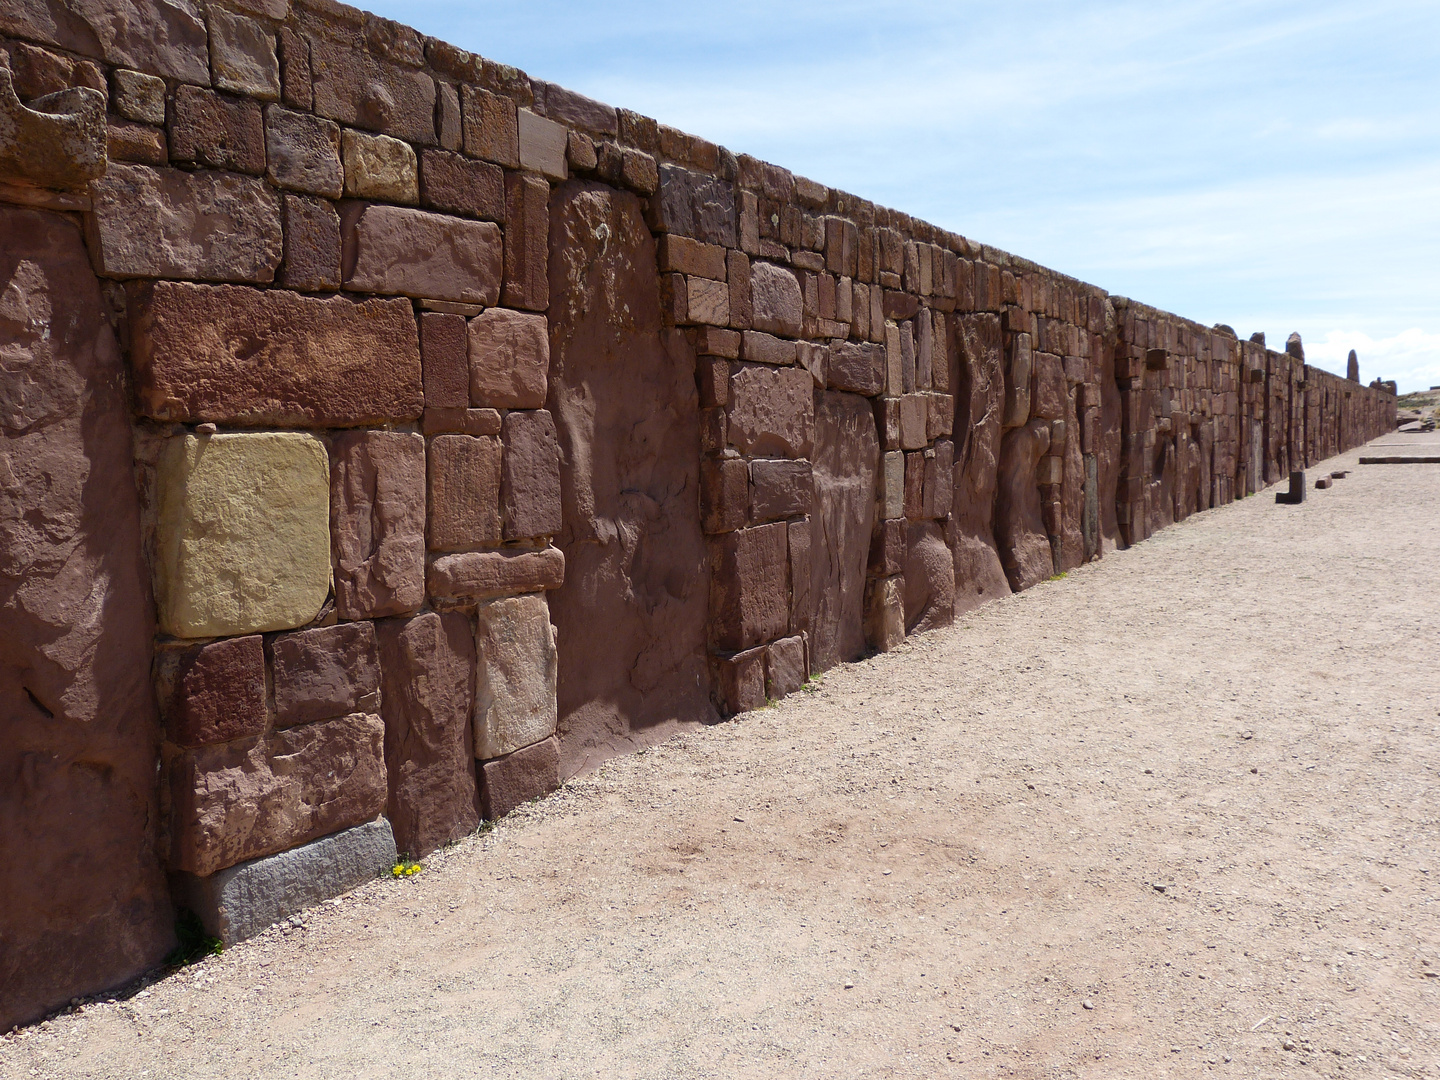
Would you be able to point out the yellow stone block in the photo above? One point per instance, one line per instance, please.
(243, 537)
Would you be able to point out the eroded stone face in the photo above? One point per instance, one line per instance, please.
(395, 250)
(777, 307)
(243, 535)
(979, 414)
(377, 515)
(515, 680)
(509, 359)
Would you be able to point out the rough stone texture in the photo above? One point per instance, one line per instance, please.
(490, 126)
(137, 96)
(241, 800)
(242, 901)
(242, 55)
(509, 359)
(749, 586)
(58, 140)
(167, 223)
(216, 130)
(776, 304)
(772, 412)
(929, 579)
(980, 403)
(885, 613)
(623, 395)
(377, 522)
(243, 533)
(694, 205)
(531, 489)
(379, 167)
(542, 145)
(480, 575)
(779, 489)
(530, 773)
(326, 672)
(444, 353)
(458, 185)
(213, 693)
(303, 153)
(356, 87)
(90, 909)
(527, 243)
(847, 459)
(802, 600)
(137, 143)
(515, 675)
(785, 667)
(163, 39)
(740, 681)
(464, 492)
(394, 250)
(312, 245)
(428, 691)
(1020, 534)
(859, 368)
(237, 355)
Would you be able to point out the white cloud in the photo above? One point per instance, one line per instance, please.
(1411, 357)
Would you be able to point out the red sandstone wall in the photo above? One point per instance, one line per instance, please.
(482, 431)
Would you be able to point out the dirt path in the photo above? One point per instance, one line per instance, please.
(1174, 813)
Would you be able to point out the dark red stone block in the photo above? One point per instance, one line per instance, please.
(326, 672)
(509, 781)
(213, 693)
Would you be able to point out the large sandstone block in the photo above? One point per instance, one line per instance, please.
(397, 251)
(776, 303)
(1020, 533)
(83, 901)
(749, 586)
(242, 800)
(464, 492)
(358, 88)
(771, 412)
(515, 675)
(490, 126)
(167, 223)
(216, 130)
(325, 672)
(979, 575)
(312, 245)
(481, 575)
(529, 773)
(303, 153)
(242, 901)
(444, 352)
(213, 693)
(242, 55)
(856, 367)
(779, 489)
(531, 492)
(428, 692)
(162, 39)
(377, 521)
(460, 186)
(243, 533)
(929, 579)
(509, 359)
(695, 205)
(527, 228)
(236, 355)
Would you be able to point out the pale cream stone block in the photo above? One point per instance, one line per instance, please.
(515, 680)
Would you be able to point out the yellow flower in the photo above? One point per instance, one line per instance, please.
(398, 871)
(414, 869)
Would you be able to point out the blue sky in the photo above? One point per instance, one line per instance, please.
(1274, 166)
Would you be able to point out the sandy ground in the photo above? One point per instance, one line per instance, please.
(1176, 813)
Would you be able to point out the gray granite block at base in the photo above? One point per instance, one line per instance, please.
(244, 900)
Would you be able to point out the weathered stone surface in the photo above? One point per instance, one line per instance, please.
(303, 153)
(509, 359)
(163, 39)
(1048, 394)
(213, 693)
(527, 242)
(137, 143)
(542, 145)
(241, 800)
(394, 250)
(444, 352)
(695, 205)
(137, 96)
(914, 486)
(1020, 534)
(530, 773)
(760, 348)
(887, 548)
(242, 901)
(167, 223)
(1018, 380)
(929, 579)
(772, 412)
(776, 304)
(231, 354)
(91, 908)
(490, 126)
(312, 245)
(464, 492)
(785, 667)
(531, 491)
(740, 681)
(856, 367)
(624, 399)
(970, 530)
(779, 489)
(479, 575)
(356, 87)
(326, 672)
(724, 494)
(215, 130)
(885, 613)
(461, 422)
(243, 533)
(515, 675)
(57, 141)
(379, 167)
(802, 600)
(914, 414)
(428, 693)
(457, 185)
(892, 485)
(749, 586)
(242, 55)
(847, 459)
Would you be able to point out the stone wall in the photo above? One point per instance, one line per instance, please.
(390, 435)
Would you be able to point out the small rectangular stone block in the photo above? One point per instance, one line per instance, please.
(377, 522)
(242, 901)
(312, 245)
(779, 489)
(444, 353)
(510, 781)
(229, 354)
(740, 681)
(137, 96)
(464, 487)
(138, 143)
(531, 488)
(242, 538)
(682, 255)
(914, 486)
(892, 485)
(460, 186)
(856, 367)
(713, 341)
(481, 575)
(785, 670)
(461, 422)
(394, 250)
(515, 675)
(776, 303)
(527, 242)
(707, 301)
(490, 126)
(242, 55)
(542, 145)
(694, 204)
(914, 421)
(509, 354)
(326, 672)
(885, 613)
(802, 604)
(749, 586)
(379, 167)
(724, 494)
(303, 153)
(222, 132)
(212, 693)
(759, 348)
